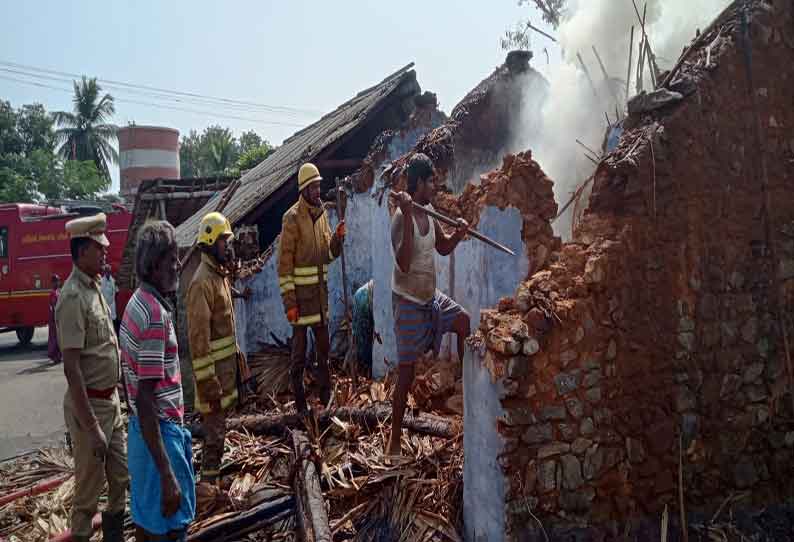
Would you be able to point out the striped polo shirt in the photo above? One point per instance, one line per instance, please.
(149, 352)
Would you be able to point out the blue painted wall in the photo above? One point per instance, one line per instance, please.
(484, 483)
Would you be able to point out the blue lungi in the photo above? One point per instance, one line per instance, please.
(145, 496)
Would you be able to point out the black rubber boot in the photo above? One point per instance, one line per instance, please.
(113, 527)
(296, 379)
(324, 379)
(325, 396)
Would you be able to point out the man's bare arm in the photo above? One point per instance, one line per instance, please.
(403, 234)
(445, 244)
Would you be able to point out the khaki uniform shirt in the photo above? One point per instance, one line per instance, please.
(83, 320)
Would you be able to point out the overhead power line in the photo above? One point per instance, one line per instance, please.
(159, 106)
(218, 108)
(172, 93)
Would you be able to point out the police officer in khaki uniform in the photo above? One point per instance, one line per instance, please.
(92, 409)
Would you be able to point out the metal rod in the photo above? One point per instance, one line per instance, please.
(631, 57)
(587, 73)
(591, 151)
(541, 32)
(340, 216)
(654, 68)
(605, 74)
(641, 52)
(452, 222)
(352, 363)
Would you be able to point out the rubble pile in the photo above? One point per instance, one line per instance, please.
(656, 345)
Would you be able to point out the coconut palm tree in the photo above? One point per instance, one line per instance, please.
(86, 134)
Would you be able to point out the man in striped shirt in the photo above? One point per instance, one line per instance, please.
(162, 487)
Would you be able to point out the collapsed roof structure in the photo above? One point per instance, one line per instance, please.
(336, 143)
(174, 200)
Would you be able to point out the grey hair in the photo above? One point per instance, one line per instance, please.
(156, 238)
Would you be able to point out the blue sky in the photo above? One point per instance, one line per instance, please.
(297, 53)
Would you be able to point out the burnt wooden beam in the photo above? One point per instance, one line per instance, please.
(340, 163)
(370, 418)
(310, 513)
(254, 519)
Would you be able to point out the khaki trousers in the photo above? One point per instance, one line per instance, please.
(90, 472)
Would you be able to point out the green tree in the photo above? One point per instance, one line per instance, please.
(30, 171)
(252, 157)
(86, 134)
(82, 180)
(14, 187)
(10, 140)
(250, 140)
(551, 10)
(218, 151)
(189, 155)
(36, 128)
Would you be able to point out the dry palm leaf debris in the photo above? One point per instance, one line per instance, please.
(367, 498)
(35, 517)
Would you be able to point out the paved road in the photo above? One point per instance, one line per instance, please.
(31, 395)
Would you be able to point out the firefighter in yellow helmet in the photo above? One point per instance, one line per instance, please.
(211, 335)
(305, 250)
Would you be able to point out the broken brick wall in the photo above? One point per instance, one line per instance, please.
(659, 330)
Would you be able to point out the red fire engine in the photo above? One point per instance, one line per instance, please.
(34, 246)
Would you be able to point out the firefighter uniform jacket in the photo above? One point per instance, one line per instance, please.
(305, 250)
(211, 331)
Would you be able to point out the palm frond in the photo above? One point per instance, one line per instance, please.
(106, 150)
(109, 132)
(65, 119)
(105, 109)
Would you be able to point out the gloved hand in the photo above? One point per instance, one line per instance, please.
(341, 230)
(292, 314)
(210, 389)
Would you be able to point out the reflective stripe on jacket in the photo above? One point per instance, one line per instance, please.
(306, 247)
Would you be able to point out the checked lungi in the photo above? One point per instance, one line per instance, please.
(420, 327)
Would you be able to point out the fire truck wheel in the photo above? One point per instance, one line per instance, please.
(25, 335)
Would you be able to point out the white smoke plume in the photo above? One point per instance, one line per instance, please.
(572, 110)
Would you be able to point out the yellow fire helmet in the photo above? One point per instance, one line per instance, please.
(213, 225)
(308, 174)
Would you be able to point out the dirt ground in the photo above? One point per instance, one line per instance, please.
(31, 396)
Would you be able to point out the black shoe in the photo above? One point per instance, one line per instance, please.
(325, 396)
(113, 527)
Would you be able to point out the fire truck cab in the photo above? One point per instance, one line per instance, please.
(34, 245)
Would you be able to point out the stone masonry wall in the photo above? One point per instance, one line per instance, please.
(659, 330)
